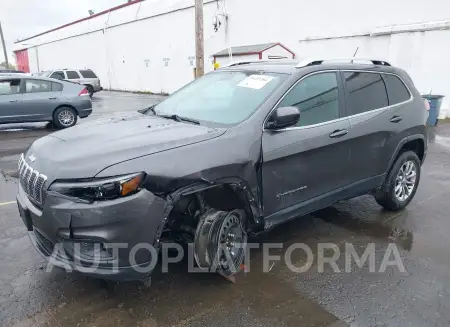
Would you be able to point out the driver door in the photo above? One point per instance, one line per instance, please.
(305, 163)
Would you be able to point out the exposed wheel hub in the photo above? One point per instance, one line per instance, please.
(220, 242)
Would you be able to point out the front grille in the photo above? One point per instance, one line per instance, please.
(31, 180)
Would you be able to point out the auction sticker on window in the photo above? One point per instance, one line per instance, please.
(256, 81)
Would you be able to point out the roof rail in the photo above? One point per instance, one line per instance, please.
(246, 62)
(312, 62)
(243, 62)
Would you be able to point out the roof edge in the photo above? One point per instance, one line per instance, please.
(81, 20)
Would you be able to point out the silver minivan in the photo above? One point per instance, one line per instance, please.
(82, 76)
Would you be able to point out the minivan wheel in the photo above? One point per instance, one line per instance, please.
(64, 117)
(401, 183)
(90, 90)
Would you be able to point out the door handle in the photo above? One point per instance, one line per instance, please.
(52, 98)
(339, 133)
(396, 119)
(13, 101)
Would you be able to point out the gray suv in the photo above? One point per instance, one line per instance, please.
(238, 151)
(85, 77)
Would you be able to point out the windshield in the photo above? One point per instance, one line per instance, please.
(221, 97)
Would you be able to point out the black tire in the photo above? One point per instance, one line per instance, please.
(64, 117)
(386, 196)
(211, 241)
(90, 89)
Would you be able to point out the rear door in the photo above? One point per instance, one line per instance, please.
(10, 100)
(40, 98)
(311, 159)
(372, 117)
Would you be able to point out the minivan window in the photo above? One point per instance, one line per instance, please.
(36, 86)
(87, 74)
(71, 74)
(317, 97)
(222, 97)
(58, 75)
(397, 91)
(8, 87)
(366, 91)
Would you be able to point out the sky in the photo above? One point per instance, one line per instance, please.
(24, 18)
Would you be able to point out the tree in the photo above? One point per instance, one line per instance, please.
(11, 66)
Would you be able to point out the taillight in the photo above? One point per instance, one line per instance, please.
(83, 92)
(427, 104)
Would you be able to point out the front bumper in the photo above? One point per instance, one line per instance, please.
(107, 239)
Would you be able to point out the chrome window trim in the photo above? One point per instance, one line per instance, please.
(411, 98)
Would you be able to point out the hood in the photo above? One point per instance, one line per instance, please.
(84, 150)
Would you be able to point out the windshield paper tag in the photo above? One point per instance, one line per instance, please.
(256, 81)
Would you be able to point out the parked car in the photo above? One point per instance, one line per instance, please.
(82, 76)
(240, 150)
(11, 71)
(35, 99)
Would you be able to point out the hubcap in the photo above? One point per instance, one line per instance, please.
(405, 181)
(66, 118)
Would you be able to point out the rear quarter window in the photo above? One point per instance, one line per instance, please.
(57, 87)
(88, 74)
(397, 91)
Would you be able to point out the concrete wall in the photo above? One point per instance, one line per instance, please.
(129, 48)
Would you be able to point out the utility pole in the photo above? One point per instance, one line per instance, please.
(199, 50)
(4, 47)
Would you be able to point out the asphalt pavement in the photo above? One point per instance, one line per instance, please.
(417, 296)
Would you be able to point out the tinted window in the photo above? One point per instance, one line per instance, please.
(317, 98)
(72, 74)
(87, 74)
(366, 92)
(8, 87)
(36, 86)
(397, 91)
(58, 75)
(57, 87)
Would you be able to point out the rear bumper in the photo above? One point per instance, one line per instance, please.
(108, 240)
(83, 113)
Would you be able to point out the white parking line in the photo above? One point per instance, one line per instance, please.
(6, 203)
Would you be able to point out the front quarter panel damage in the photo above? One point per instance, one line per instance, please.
(231, 159)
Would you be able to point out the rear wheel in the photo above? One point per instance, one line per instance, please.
(90, 90)
(64, 117)
(401, 183)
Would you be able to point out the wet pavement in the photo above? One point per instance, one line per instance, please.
(418, 296)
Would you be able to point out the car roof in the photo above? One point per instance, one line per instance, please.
(296, 66)
(41, 78)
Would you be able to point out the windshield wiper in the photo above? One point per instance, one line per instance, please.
(179, 118)
(145, 110)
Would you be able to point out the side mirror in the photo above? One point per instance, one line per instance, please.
(283, 117)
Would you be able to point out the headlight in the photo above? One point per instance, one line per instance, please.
(101, 189)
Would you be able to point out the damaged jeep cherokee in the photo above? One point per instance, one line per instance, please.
(238, 151)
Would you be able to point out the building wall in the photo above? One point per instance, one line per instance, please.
(223, 61)
(129, 48)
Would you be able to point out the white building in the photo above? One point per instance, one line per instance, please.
(149, 45)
